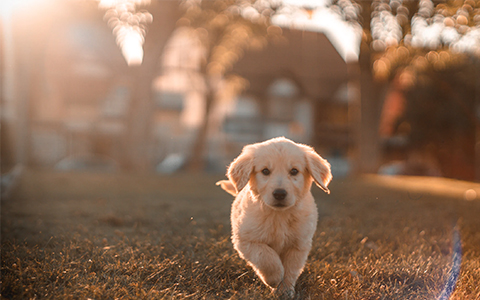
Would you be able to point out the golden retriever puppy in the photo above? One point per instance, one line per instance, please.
(274, 215)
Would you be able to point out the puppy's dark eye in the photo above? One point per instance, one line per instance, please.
(266, 172)
(293, 172)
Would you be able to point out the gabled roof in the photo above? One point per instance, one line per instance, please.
(308, 58)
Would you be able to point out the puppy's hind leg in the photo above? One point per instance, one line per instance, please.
(264, 260)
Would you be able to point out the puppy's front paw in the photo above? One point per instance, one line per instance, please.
(283, 291)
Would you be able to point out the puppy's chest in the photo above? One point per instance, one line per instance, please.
(278, 232)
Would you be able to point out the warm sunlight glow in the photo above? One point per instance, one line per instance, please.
(113, 3)
(131, 42)
(128, 25)
(9, 5)
(344, 36)
(431, 30)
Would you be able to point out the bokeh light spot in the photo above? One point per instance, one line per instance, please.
(470, 195)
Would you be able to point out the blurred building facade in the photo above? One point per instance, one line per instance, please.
(75, 113)
(70, 101)
(300, 89)
(68, 97)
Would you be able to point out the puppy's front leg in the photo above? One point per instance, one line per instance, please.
(264, 260)
(293, 262)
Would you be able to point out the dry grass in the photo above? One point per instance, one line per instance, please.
(79, 236)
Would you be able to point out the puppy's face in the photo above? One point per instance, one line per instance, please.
(279, 174)
(279, 171)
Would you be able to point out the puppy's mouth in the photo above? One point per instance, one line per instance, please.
(280, 205)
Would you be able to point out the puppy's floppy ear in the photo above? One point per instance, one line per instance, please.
(227, 186)
(319, 168)
(240, 169)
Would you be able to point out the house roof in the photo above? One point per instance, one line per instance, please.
(308, 58)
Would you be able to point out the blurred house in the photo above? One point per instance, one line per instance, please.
(75, 113)
(299, 89)
(67, 98)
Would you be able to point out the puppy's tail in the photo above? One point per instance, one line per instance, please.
(227, 186)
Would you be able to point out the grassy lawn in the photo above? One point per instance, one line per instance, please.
(83, 235)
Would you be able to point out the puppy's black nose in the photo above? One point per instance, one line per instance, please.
(279, 194)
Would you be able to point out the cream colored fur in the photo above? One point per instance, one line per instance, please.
(275, 235)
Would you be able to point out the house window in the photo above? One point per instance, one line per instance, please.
(282, 95)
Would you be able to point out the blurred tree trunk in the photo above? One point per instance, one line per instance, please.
(138, 140)
(368, 110)
(222, 33)
(198, 157)
(477, 122)
(370, 104)
(197, 161)
(25, 36)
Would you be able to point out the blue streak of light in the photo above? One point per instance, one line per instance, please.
(455, 271)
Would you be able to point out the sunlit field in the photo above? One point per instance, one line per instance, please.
(83, 235)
